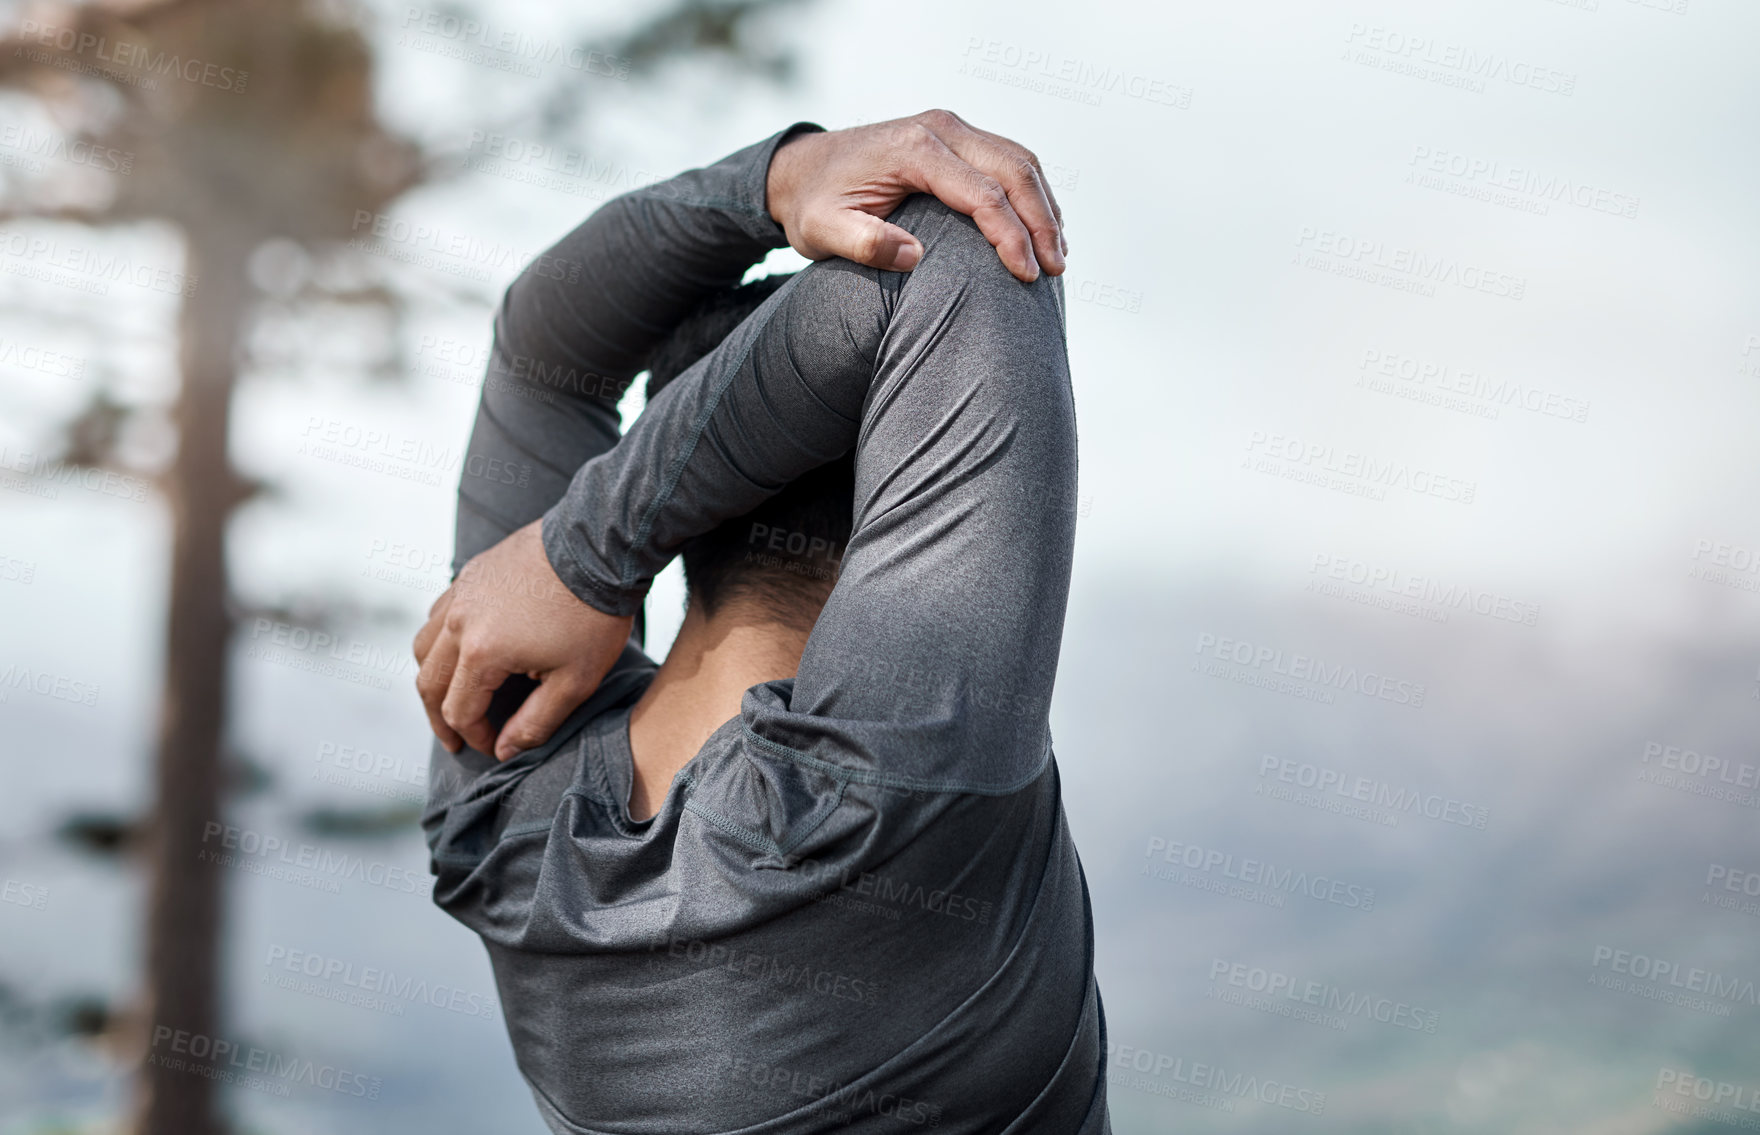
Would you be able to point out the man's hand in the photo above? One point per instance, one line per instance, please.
(506, 614)
(831, 192)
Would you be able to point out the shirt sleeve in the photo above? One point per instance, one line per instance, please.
(573, 331)
(931, 667)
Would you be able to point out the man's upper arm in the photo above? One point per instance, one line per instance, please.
(934, 658)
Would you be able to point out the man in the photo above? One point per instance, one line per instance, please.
(813, 872)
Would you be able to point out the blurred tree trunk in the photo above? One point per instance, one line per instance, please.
(183, 922)
(298, 155)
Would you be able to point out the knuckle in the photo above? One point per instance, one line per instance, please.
(812, 230)
(869, 243)
(937, 118)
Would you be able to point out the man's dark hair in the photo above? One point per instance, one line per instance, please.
(783, 555)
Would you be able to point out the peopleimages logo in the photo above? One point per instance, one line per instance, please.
(100, 266)
(835, 1099)
(1322, 996)
(1258, 873)
(1665, 976)
(369, 982)
(73, 151)
(134, 56)
(1306, 668)
(510, 49)
(1052, 72)
(894, 890)
(1523, 180)
(47, 684)
(1728, 564)
(322, 653)
(1210, 1077)
(1467, 62)
(231, 1062)
(1379, 801)
(1361, 467)
(29, 895)
(1717, 1093)
(1424, 589)
(1491, 394)
(1701, 774)
(783, 973)
(254, 851)
(54, 363)
(1346, 251)
(48, 474)
(368, 763)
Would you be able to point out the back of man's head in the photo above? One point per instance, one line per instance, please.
(782, 557)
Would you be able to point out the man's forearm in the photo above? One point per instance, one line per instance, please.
(575, 328)
(720, 439)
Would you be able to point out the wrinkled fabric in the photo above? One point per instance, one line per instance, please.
(859, 907)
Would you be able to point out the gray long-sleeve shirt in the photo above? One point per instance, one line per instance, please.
(859, 906)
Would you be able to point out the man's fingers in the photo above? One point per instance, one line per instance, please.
(432, 681)
(863, 238)
(1015, 167)
(1010, 153)
(466, 706)
(557, 696)
(432, 628)
(1018, 169)
(441, 602)
(938, 170)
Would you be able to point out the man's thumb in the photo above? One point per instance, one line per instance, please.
(866, 239)
(544, 709)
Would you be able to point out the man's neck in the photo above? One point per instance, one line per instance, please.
(712, 663)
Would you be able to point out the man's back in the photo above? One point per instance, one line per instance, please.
(860, 899)
(925, 988)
